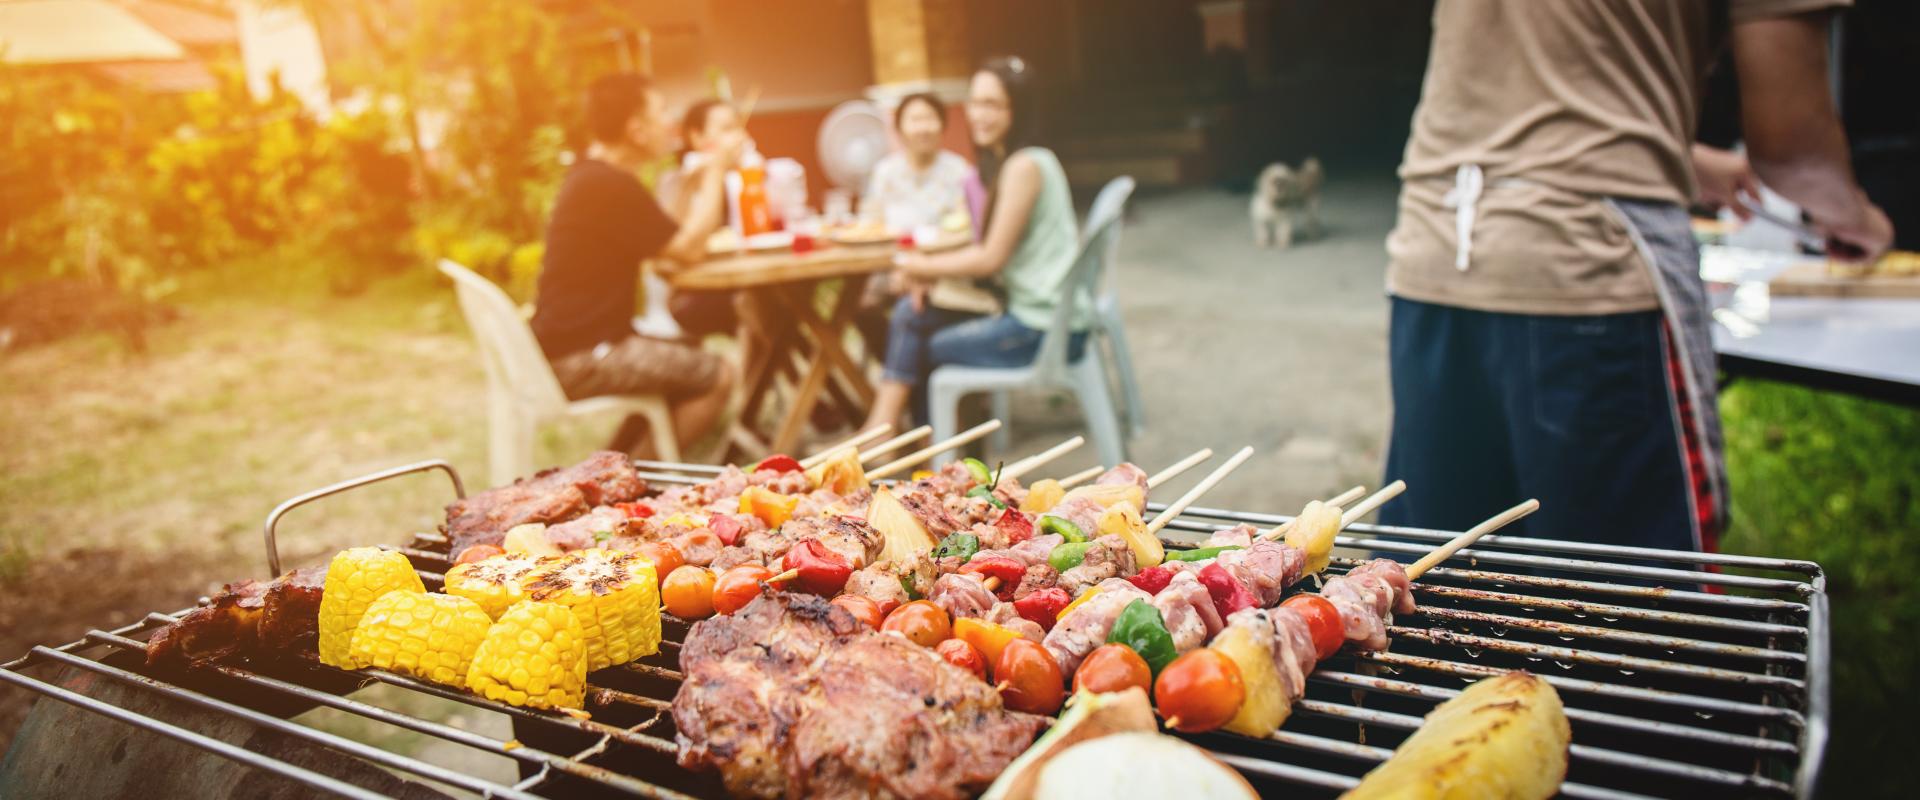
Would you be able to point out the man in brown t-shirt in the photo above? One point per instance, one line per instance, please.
(1549, 332)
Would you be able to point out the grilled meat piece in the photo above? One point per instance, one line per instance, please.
(849, 537)
(792, 696)
(550, 496)
(214, 632)
(1109, 557)
(1037, 577)
(247, 618)
(1266, 569)
(961, 595)
(879, 583)
(1367, 598)
(1087, 627)
(932, 512)
(1240, 535)
(291, 620)
(1127, 472)
(895, 720)
(1188, 611)
(1006, 616)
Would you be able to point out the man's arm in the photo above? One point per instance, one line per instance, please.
(1793, 134)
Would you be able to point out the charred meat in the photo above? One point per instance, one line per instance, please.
(550, 496)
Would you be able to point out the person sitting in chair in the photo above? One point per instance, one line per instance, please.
(1028, 250)
(604, 224)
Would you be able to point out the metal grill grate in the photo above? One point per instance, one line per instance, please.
(1677, 682)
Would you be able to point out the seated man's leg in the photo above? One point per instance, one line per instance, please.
(694, 382)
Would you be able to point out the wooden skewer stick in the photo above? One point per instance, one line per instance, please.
(1178, 467)
(895, 443)
(1194, 493)
(858, 439)
(1040, 459)
(784, 576)
(1336, 501)
(1446, 551)
(1083, 475)
(1378, 499)
(992, 582)
(906, 462)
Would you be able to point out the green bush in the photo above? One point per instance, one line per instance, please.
(1836, 479)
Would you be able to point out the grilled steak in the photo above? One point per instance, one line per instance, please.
(793, 696)
(550, 496)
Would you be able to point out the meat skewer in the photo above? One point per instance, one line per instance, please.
(873, 453)
(1174, 470)
(856, 440)
(1038, 460)
(1178, 506)
(1084, 475)
(964, 437)
(1340, 499)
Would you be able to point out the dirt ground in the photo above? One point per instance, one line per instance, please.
(130, 484)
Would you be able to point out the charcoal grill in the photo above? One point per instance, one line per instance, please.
(1683, 674)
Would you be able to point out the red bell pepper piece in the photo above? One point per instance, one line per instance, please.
(726, 527)
(1228, 594)
(635, 510)
(822, 571)
(1043, 606)
(1008, 569)
(778, 462)
(1016, 524)
(1154, 579)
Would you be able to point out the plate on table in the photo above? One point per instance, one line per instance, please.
(771, 240)
(862, 234)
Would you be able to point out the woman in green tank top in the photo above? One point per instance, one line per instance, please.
(1028, 247)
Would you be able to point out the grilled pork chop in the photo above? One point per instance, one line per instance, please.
(550, 496)
(792, 696)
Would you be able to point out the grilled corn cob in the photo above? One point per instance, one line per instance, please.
(536, 656)
(429, 636)
(355, 578)
(495, 583)
(615, 595)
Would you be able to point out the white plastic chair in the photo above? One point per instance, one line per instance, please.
(1111, 204)
(1087, 377)
(522, 392)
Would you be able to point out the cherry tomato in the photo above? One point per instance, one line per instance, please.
(1112, 667)
(738, 586)
(665, 557)
(1199, 691)
(687, 592)
(964, 656)
(778, 463)
(862, 608)
(921, 621)
(1029, 678)
(1323, 621)
(478, 552)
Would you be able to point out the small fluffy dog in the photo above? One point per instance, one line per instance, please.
(1285, 198)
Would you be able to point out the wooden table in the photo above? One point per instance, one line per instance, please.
(783, 322)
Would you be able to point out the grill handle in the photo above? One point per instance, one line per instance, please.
(273, 519)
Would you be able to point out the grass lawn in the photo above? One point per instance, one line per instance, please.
(135, 483)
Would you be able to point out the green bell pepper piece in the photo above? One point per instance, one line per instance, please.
(963, 545)
(981, 474)
(1068, 556)
(986, 492)
(1141, 627)
(906, 582)
(1064, 527)
(1200, 553)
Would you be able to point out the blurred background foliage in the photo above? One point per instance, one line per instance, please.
(446, 138)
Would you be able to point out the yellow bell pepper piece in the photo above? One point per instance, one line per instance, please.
(1076, 603)
(770, 506)
(988, 638)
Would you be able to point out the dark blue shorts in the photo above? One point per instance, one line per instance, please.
(1577, 411)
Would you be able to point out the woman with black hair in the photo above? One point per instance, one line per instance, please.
(700, 313)
(1028, 248)
(921, 183)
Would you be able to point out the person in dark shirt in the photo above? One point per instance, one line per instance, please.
(604, 224)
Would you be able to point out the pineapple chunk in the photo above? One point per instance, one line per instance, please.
(1123, 520)
(1312, 533)
(529, 539)
(904, 535)
(1504, 737)
(1267, 705)
(1042, 496)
